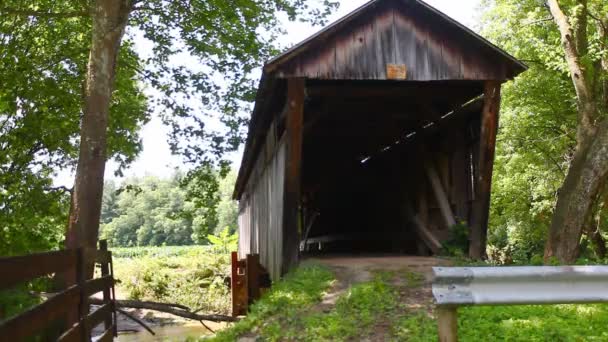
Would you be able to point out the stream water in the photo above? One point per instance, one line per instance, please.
(165, 333)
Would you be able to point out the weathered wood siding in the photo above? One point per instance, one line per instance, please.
(261, 211)
(394, 39)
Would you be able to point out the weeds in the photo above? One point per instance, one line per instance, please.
(191, 276)
(296, 293)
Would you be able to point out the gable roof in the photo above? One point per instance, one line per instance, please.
(422, 43)
(399, 32)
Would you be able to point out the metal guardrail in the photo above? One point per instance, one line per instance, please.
(462, 286)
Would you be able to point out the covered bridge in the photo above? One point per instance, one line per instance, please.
(375, 135)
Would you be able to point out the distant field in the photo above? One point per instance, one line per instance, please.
(163, 251)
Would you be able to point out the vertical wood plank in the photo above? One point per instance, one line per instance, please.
(294, 131)
(447, 324)
(487, 147)
(83, 307)
(105, 271)
(113, 296)
(253, 277)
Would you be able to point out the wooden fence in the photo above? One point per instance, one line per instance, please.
(70, 304)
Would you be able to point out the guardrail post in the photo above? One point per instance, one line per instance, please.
(447, 323)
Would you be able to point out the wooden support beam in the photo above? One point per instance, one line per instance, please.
(294, 130)
(487, 147)
(429, 239)
(447, 324)
(440, 195)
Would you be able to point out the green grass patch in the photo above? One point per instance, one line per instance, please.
(282, 305)
(513, 323)
(412, 279)
(355, 313)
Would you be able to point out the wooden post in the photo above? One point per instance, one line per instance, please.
(447, 324)
(253, 277)
(487, 147)
(238, 287)
(105, 271)
(294, 132)
(83, 305)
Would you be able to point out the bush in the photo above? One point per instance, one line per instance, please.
(192, 276)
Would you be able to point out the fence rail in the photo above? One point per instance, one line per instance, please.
(69, 305)
(461, 286)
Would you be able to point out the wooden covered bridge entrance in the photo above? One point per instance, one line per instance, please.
(376, 134)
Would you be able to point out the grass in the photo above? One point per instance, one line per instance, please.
(372, 310)
(514, 323)
(355, 314)
(282, 306)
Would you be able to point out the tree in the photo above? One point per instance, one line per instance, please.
(580, 104)
(42, 63)
(149, 212)
(225, 36)
(588, 67)
(227, 208)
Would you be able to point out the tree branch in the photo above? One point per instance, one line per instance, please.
(136, 320)
(581, 29)
(62, 188)
(43, 14)
(168, 308)
(587, 109)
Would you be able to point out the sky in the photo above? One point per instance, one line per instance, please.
(156, 158)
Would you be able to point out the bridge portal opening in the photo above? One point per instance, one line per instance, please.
(379, 162)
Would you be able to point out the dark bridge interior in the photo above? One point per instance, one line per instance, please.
(367, 153)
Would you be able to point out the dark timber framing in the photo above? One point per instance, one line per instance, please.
(294, 131)
(489, 129)
(379, 131)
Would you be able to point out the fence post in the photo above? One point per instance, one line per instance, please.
(253, 277)
(105, 271)
(447, 322)
(83, 307)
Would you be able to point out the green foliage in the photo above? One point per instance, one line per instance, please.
(537, 129)
(457, 243)
(197, 58)
(297, 292)
(224, 242)
(191, 276)
(227, 208)
(153, 252)
(154, 212)
(15, 300)
(40, 109)
(514, 323)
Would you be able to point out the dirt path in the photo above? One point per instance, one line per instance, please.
(413, 281)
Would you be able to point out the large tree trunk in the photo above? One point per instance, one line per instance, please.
(589, 166)
(586, 175)
(109, 22)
